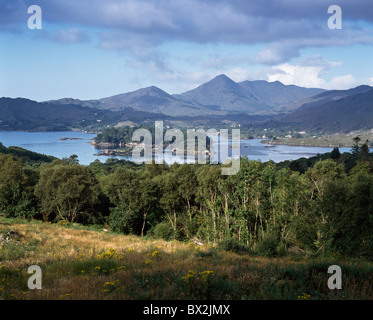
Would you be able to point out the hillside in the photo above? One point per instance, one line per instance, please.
(24, 114)
(28, 115)
(283, 98)
(81, 263)
(332, 95)
(26, 156)
(251, 97)
(153, 99)
(347, 114)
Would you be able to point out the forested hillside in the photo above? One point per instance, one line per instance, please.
(318, 205)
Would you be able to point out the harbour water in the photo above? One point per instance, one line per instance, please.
(50, 143)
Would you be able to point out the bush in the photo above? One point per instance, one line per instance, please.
(163, 230)
(268, 245)
(231, 244)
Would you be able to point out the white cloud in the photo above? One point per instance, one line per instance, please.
(310, 74)
(304, 76)
(342, 82)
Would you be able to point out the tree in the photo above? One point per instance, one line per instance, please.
(364, 155)
(16, 183)
(66, 191)
(148, 200)
(187, 189)
(356, 148)
(248, 202)
(350, 216)
(310, 226)
(169, 197)
(134, 196)
(335, 154)
(208, 198)
(322, 171)
(122, 188)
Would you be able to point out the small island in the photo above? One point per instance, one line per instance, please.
(69, 138)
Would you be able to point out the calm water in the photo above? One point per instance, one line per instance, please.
(48, 143)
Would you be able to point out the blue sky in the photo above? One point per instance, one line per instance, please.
(89, 49)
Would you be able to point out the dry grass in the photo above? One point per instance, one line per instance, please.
(78, 263)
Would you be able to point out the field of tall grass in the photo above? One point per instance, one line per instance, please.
(81, 263)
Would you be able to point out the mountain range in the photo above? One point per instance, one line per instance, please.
(251, 97)
(259, 104)
(220, 96)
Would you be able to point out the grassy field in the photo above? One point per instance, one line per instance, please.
(82, 263)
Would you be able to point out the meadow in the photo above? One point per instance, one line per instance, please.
(87, 263)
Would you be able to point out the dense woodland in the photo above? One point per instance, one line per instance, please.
(320, 205)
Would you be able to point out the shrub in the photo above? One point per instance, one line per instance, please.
(231, 244)
(268, 245)
(163, 230)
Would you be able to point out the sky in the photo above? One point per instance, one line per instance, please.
(91, 49)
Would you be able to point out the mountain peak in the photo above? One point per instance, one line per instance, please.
(153, 89)
(222, 77)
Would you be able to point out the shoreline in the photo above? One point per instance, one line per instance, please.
(297, 144)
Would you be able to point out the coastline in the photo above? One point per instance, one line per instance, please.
(303, 144)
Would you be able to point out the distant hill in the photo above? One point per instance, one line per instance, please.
(332, 115)
(218, 97)
(153, 99)
(28, 115)
(150, 99)
(83, 103)
(332, 95)
(26, 156)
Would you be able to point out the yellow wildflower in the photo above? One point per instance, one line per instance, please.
(148, 262)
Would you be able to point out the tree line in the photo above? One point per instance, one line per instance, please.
(320, 205)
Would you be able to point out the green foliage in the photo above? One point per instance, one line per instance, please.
(66, 191)
(233, 245)
(321, 205)
(117, 136)
(27, 157)
(163, 230)
(16, 198)
(335, 154)
(351, 222)
(269, 246)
